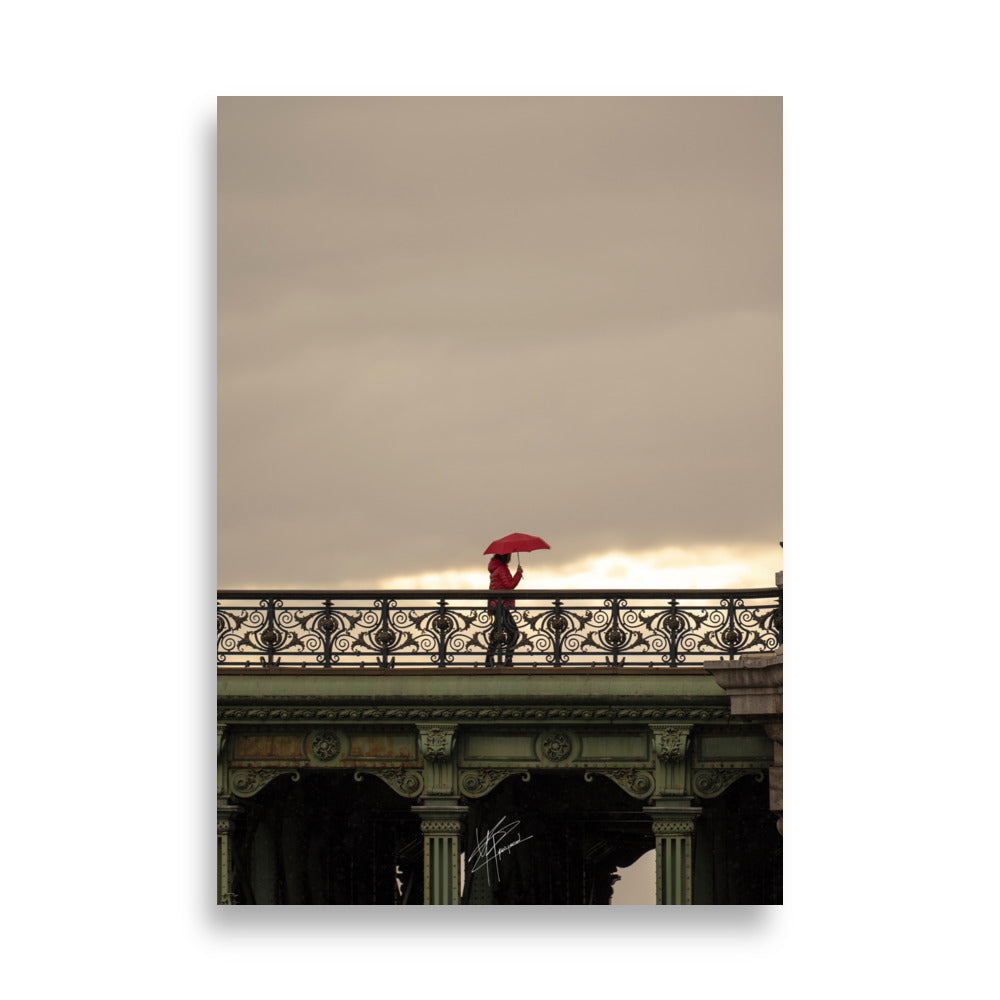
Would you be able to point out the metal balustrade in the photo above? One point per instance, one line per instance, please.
(383, 630)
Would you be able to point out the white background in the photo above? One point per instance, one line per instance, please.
(890, 539)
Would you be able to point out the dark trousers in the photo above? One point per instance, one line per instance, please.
(504, 624)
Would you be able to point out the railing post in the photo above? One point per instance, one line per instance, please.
(558, 622)
(615, 635)
(442, 623)
(270, 636)
(326, 623)
(385, 637)
(672, 622)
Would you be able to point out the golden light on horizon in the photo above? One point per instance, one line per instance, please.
(672, 568)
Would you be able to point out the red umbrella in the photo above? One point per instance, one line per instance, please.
(516, 543)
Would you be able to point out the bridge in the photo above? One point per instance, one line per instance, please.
(428, 747)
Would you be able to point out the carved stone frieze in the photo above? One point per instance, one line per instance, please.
(479, 782)
(467, 713)
(405, 781)
(247, 781)
(636, 781)
(708, 784)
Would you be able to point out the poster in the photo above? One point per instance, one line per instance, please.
(442, 321)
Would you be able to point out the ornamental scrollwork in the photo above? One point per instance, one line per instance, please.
(735, 629)
(406, 781)
(637, 782)
(247, 781)
(613, 630)
(479, 782)
(279, 629)
(709, 784)
(388, 632)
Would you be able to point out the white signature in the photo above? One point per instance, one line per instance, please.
(491, 847)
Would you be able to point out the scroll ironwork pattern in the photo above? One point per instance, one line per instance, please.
(391, 630)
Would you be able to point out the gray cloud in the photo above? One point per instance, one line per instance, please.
(445, 319)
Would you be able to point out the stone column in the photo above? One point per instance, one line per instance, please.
(441, 825)
(227, 813)
(673, 830)
(441, 815)
(672, 813)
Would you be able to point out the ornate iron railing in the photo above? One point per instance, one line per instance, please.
(459, 628)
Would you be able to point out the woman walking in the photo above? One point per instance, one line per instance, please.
(504, 630)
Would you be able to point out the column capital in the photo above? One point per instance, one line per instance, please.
(436, 741)
(670, 740)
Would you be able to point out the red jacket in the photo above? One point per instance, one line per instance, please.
(500, 579)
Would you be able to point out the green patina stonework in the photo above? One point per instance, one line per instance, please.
(646, 753)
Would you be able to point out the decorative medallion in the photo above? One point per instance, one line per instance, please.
(555, 747)
(324, 745)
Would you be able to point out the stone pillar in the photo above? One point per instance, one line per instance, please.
(441, 824)
(673, 830)
(754, 685)
(227, 813)
(441, 815)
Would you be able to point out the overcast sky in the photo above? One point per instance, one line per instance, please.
(442, 320)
